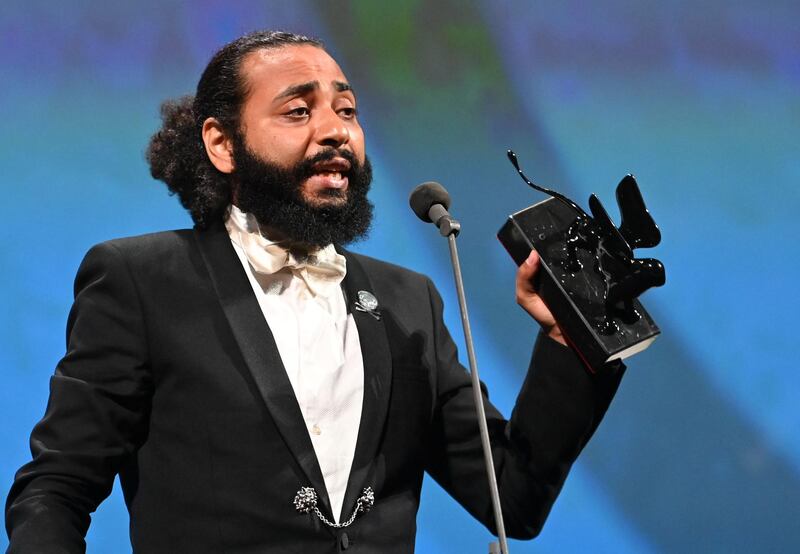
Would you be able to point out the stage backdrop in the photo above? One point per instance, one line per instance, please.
(700, 451)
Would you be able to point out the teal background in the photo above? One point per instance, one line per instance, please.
(700, 451)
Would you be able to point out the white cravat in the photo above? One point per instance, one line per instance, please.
(317, 340)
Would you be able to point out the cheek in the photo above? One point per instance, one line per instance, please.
(281, 146)
(292, 144)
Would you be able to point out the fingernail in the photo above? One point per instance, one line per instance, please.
(529, 261)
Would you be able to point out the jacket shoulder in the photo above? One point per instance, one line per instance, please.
(150, 244)
(153, 255)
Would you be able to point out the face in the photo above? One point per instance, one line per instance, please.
(299, 105)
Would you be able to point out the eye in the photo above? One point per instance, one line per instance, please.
(348, 113)
(298, 113)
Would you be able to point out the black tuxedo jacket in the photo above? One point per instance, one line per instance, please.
(173, 381)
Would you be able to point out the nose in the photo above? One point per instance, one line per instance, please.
(331, 129)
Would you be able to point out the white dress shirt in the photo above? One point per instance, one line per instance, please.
(318, 343)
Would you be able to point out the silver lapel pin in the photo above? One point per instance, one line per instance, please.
(367, 303)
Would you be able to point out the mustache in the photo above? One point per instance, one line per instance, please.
(305, 168)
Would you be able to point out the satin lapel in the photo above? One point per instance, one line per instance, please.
(260, 352)
(377, 383)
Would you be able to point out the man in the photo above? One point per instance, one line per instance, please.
(224, 372)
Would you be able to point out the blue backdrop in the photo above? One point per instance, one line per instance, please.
(700, 451)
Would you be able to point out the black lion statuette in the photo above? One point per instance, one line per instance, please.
(611, 248)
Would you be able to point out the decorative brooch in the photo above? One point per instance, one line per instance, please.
(367, 303)
(305, 501)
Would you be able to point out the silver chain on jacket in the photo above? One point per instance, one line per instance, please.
(305, 501)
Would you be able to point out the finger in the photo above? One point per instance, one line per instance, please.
(527, 271)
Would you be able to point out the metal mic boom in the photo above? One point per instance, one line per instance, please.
(430, 202)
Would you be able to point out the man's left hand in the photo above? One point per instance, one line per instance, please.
(531, 302)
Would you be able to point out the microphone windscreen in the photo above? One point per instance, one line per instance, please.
(427, 195)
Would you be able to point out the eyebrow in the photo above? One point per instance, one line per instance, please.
(304, 88)
(341, 86)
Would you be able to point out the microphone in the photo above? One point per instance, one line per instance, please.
(430, 201)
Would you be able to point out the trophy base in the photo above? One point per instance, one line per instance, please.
(574, 288)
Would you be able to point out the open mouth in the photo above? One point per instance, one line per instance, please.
(333, 166)
(331, 173)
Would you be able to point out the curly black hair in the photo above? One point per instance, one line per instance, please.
(176, 152)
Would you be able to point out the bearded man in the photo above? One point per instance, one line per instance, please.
(257, 387)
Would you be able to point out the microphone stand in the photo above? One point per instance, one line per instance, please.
(449, 227)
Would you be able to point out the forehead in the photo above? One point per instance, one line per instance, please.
(269, 71)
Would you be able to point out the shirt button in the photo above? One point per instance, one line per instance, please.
(315, 430)
(344, 541)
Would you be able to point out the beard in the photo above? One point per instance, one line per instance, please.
(274, 195)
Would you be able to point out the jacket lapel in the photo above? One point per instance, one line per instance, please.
(259, 351)
(377, 382)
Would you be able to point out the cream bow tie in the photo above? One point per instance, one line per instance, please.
(321, 271)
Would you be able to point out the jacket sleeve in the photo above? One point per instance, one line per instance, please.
(95, 417)
(557, 410)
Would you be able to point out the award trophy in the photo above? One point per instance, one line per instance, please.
(588, 277)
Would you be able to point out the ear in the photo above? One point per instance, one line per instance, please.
(219, 146)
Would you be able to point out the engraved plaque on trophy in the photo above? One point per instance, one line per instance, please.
(589, 277)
